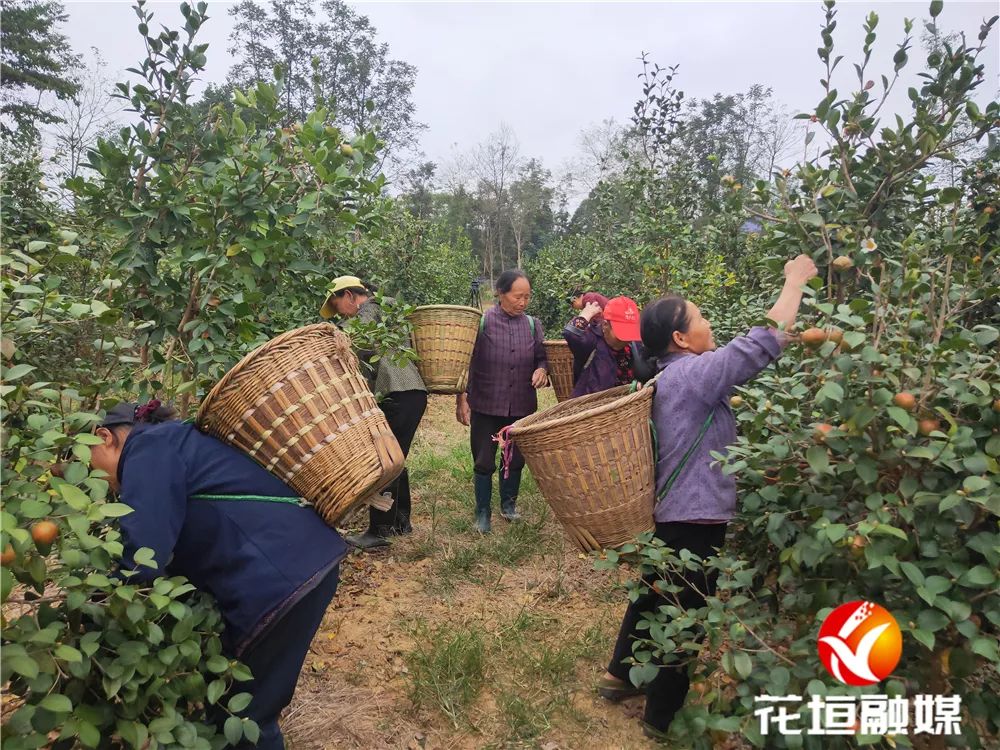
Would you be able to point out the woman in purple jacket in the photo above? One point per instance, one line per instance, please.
(605, 343)
(691, 408)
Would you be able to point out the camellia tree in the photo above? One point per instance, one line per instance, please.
(191, 223)
(868, 460)
(217, 215)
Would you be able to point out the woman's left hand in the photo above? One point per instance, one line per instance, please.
(539, 378)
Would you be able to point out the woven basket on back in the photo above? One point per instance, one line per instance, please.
(560, 368)
(299, 406)
(443, 337)
(592, 458)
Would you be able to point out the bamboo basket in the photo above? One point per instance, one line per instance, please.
(592, 458)
(560, 368)
(299, 406)
(444, 337)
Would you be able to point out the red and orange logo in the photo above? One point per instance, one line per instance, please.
(860, 643)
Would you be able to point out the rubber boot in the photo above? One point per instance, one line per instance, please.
(509, 487)
(483, 484)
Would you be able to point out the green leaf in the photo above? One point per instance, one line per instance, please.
(57, 704)
(985, 647)
(835, 531)
(239, 702)
(23, 665)
(145, 556)
(937, 584)
(980, 575)
(901, 417)
(831, 392)
(743, 664)
(975, 484)
(68, 653)
(912, 572)
(215, 690)
(936, 7)
(866, 469)
(89, 735)
(17, 371)
(233, 729)
(251, 731)
(927, 639)
(812, 219)
(35, 508)
(76, 498)
(114, 510)
(642, 674)
(217, 664)
(818, 459)
(854, 339)
(932, 620)
(886, 529)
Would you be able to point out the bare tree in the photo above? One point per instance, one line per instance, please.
(777, 142)
(90, 114)
(494, 164)
(530, 205)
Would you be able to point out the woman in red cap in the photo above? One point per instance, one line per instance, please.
(609, 350)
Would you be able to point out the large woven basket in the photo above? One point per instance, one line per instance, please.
(592, 458)
(444, 337)
(299, 406)
(560, 368)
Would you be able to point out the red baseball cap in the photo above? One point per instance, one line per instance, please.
(623, 315)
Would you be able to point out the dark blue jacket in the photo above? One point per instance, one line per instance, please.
(256, 558)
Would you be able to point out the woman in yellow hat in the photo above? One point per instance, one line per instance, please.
(402, 396)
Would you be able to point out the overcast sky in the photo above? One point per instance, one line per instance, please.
(549, 70)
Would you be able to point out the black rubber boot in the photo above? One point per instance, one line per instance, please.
(509, 488)
(483, 484)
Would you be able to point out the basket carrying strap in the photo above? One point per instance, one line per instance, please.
(301, 502)
(531, 324)
(676, 473)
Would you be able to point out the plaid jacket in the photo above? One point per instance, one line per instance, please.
(505, 356)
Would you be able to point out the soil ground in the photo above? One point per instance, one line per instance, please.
(453, 640)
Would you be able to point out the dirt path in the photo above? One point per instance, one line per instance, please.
(452, 640)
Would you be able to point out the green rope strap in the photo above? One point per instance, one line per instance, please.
(676, 473)
(257, 498)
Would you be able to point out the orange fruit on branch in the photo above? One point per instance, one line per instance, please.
(8, 555)
(927, 426)
(813, 337)
(44, 532)
(843, 263)
(905, 401)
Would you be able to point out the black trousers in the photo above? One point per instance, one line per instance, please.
(276, 658)
(484, 449)
(666, 693)
(403, 410)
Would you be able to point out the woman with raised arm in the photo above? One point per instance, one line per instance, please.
(695, 499)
